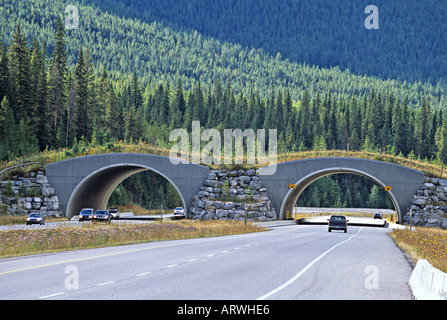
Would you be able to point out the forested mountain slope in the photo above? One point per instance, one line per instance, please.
(157, 52)
(408, 45)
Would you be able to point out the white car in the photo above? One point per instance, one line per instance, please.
(179, 210)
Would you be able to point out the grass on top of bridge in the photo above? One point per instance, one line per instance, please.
(432, 168)
(19, 242)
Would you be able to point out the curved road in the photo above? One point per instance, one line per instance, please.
(293, 262)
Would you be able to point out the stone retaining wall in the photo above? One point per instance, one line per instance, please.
(25, 195)
(219, 199)
(429, 205)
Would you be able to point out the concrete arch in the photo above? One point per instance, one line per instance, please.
(293, 194)
(87, 194)
(89, 181)
(404, 181)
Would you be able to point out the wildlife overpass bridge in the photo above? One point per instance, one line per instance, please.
(89, 181)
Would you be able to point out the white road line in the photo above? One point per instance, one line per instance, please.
(143, 274)
(210, 255)
(104, 283)
(299, 274)
(51, 295)
(172, 265)
(225, 251)
(192, 260)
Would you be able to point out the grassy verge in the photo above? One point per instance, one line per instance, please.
(6, 220)
(21, 242)
(423, 243)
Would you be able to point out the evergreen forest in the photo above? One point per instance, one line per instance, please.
(140, 75)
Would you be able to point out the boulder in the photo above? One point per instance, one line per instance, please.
(420, 202)
(41, 179)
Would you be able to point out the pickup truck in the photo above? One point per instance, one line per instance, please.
(338, 223)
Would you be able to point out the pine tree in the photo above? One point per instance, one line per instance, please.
(198, 112)
(177, 107)
(279, 113)
(42, 128)
(26, 140)
(304, 129)
(137, 98)
(20, 73)
(5, 86)
(82, 121)
(443, 143)
(57, 77)
(374, 200)
(179, 104)
(423, 126)
(315, 198)
(287, 106)
(8, 130)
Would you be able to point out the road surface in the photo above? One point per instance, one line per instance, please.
(292, 262)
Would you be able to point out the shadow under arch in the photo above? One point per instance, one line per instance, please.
(90, 180)
(96, 188)
(293, 194)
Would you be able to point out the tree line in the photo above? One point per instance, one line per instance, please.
(345, 191)
(46, 103)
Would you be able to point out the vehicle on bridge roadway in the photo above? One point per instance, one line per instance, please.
(338, 223)
(86, 214)
(102, 215)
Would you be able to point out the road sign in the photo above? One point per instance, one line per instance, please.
(292, 186)
(388, 188)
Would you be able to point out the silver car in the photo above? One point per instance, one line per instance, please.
(179, 210)
(115, 214)
(35, 218)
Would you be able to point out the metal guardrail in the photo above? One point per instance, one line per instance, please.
(276, 223)
(17, 166)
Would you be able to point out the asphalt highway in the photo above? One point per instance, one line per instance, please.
(292, 262)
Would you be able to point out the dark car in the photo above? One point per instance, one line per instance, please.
(377, 215)
(115, 214)
(35, 218)
(338, 223)
(86, 214)
(102, 215)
